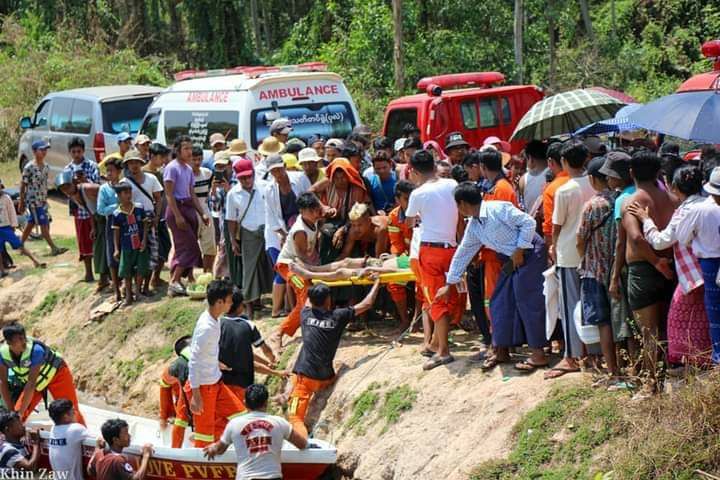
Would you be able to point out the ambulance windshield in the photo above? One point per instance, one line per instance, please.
(200, 124)
(330, 120)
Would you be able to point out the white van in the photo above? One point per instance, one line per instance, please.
(242, 102)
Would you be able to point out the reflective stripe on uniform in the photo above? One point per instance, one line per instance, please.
(181, 423)
(164, 384)
(297, 281)
(392, 229)
(292, 408)
(238, 414)
(203, 438)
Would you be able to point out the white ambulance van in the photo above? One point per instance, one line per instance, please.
(242, 102)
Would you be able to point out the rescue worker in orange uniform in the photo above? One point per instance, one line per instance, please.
(301, 244)
(212, 403)
(38, 367)
(173, 401)
(400, 235)
(322, 327)
(495, 187)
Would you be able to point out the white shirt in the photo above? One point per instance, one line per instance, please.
(151, 185)
(204, 363)
(534, 186)
(567, 212)
(202, 187)
(65, 446)
(289, 253)
(700, 229)
(274, 220)
(435, 203)
(237, 202)
(258, 439)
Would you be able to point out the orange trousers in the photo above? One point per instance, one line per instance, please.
(182, 421)
(303, 390)
(290, 325)
(61, 386)
(220, 405)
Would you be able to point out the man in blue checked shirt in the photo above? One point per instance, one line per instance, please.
(84, 171)
(517, 307)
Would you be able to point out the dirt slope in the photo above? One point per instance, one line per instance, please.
(388, 418)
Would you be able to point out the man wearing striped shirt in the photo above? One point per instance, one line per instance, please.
(517, 306)
(206, 233)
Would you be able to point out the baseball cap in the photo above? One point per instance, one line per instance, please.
(243, 168)
(308, 155)
(123, 136)
(501, 145)
(141, 139)
(216, 138)
(40, 145)
(313, 139)
(362, 129)
(274, 161)
(294, 145)
(399, 144)
(412, 142)
(594, 145)
(455, 139)
(350, 150)
(133, 154)
(617, 165)
(595, 166)
(334, 143)
(713, 185)
(281, 125)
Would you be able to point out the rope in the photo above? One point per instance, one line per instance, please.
(388, 348)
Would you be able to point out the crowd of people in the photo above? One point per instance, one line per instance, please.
(609, 257)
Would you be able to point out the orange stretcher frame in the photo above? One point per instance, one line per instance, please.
(394, 277)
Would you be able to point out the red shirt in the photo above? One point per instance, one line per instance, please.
(113, 466)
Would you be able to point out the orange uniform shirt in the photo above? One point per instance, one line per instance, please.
(399, 232)
(548, 200)
(503, 191)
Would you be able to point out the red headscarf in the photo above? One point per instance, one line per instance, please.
(345, 165)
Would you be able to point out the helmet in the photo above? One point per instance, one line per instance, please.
(63, 178)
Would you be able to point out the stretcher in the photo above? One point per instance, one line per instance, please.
(394, 277)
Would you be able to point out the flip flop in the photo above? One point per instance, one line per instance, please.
(58, 251)
(437, 361)
(560, 372)
(427, 353)
(526, 366)
(478, 357)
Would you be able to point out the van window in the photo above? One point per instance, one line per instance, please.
(60, 116)
(199, 125)
(506, 115)
(81, 119)
(469, 114)
(397, 118)
(488, 112)
(150, 125)
(42, 115)
(331, 120)
(124, 115)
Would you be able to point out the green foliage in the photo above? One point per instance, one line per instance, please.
(398, 400)
(35, 61)
(159, 354)
(45, 307)
(363, 407)
(129, 370)
(560, 438)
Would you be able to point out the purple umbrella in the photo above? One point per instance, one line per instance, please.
(689, 115)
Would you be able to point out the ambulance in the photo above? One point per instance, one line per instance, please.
(242, 102)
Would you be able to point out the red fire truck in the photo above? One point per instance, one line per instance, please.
(469, 103)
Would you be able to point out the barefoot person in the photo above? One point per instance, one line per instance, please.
(8, 224)
(257, 437)
(517, 307)
(650, 287)
(212, 403)
(322, 327)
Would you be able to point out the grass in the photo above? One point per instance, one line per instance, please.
(274, 384)
(45, 308)
(560, 438)
(129, 370)
(157, 354)
(10, 173)
(397, 401)
(363, 407)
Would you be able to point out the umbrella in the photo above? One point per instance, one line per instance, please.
(619, 123)
(564, 113)
(689, 115)
(622, 96)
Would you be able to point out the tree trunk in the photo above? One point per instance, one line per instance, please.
(398, 48)
(257, 35)
(518, 40)
(585, 10)
(552, 69)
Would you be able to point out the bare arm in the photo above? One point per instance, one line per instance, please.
(29, 388)
(116, 233)
(268, 352)
(580, 245)
(4, 389)
(217, 448)
(172, 204)
(348, 245)
(144, 462)
(367, 302)
(30, 463)
(297, 439)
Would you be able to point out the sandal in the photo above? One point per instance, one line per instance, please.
(559, 372)
(437, 361)
(526, 366)
(425, 352)
(58, 251)
(478, 357)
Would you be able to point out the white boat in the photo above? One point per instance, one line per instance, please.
(185, 463)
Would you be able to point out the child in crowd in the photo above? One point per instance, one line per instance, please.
(14, 452)
(8, 224)
(107, 203)
(66, 438)
(130, 228)
(206, 233)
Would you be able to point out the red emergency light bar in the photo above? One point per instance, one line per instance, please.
(251, 71)
(711, 50)
(457, 80)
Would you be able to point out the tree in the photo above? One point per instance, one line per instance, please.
(585, 11)
(518, 39)
(398, 47)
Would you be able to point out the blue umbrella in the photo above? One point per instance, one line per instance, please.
(689, 115)
(619, 123)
